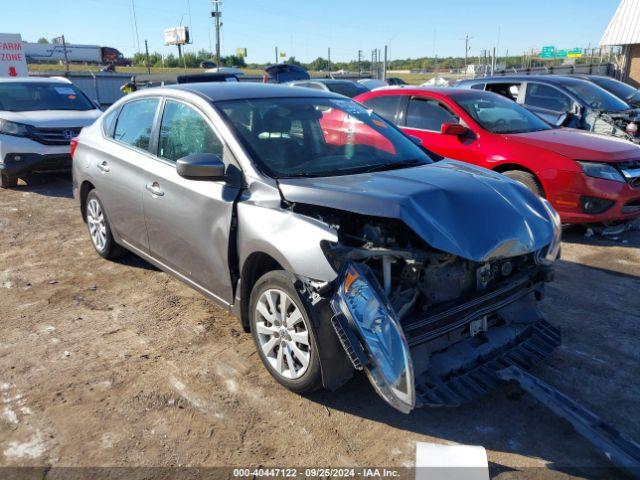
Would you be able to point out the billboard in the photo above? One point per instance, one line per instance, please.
(176, 36)
(13, 63)
(241, 52)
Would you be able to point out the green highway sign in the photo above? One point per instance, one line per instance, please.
(561, 54)
(548, 52)
(574, 53)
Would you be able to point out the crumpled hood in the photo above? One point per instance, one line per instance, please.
(455, 207)
(53, 118)
(579, 145)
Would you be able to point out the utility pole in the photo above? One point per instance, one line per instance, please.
(466, 49)
(384, 65)
(276, 56)
(216, 14)
(329, 60)
(146, 49)
(66, 58)
(359, 61)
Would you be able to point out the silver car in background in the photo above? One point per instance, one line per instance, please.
(335, 239)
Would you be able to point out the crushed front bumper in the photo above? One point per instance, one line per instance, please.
(468, 370)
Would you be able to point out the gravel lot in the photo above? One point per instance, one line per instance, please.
(116, 363)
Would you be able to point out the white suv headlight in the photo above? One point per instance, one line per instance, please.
(13, 128)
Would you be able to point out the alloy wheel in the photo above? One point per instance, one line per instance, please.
(283, 334)
(97, 225)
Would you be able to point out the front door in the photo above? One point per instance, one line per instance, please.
(188, 221)
(424, 119)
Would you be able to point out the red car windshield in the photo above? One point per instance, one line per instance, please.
(500, 115)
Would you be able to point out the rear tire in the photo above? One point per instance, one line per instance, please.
(282, 333)
(527, 179)
(99, 229)
(8, 182)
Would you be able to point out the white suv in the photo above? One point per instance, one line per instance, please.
(38, 119)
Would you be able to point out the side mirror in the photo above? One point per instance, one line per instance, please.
(201, 166)
(454, 129)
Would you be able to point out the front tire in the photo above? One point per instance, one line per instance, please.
(8, 182)
(282, 333)
(100, 230)
(527, 179)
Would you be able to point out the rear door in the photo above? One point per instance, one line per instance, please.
(189, 220)
(122, 168)
(547, 102)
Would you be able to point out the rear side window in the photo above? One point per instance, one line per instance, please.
(478, 86)
(386, 107)
(544, 96)
(108, 122)
(184, 131)
(509, 90)
(135, 123)
(426, 114)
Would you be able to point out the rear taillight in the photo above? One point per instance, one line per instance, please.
(74, 145)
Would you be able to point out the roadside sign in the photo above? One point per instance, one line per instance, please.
(283, 54)
(574, 53)
(13, 63)
(548, 52)
(561, 54)
(241, 52)
(176, 36)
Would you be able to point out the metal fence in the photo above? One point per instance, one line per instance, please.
(607, 69)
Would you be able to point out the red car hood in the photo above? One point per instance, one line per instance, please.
(579, 145)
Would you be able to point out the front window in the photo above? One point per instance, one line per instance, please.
(595, 96)
(499, 115)
(32, 96)
(317, 137)
(546, 97)
(426, 114)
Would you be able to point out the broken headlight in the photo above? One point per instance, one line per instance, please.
(549, 254)
(361, 300)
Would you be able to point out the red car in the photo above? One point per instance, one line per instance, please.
(588, 178)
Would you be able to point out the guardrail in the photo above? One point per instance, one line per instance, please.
(607, 69)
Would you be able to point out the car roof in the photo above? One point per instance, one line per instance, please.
(552, 79)
(222, 91)
(436, 92)
(35, 80)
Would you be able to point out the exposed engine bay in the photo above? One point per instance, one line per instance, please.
(452, 311)
(616, 124)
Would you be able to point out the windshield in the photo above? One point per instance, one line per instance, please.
(595, 97)
(619, 89)
(500, 115)
(348, 89)
(317, 137)
(31, 96)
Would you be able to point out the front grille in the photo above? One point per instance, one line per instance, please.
(631, 171)
(632, 206)
(53, 136)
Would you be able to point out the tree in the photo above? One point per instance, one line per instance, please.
(43, 40)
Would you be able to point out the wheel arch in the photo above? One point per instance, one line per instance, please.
(85, 188)
(505, 167)
(255, 266)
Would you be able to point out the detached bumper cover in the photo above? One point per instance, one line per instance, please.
(475, 366)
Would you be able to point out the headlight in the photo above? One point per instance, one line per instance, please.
(549, 254)
(361, 300)
(601, 170)
(13, 128)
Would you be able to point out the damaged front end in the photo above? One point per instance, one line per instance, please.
(616, 124)
(429, 327)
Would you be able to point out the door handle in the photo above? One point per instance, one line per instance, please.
(104, 166)
(154, 188)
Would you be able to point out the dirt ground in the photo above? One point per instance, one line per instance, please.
(117, 364)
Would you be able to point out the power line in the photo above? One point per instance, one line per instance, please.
(135, 24)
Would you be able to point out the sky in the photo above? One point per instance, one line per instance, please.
(306, 28)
